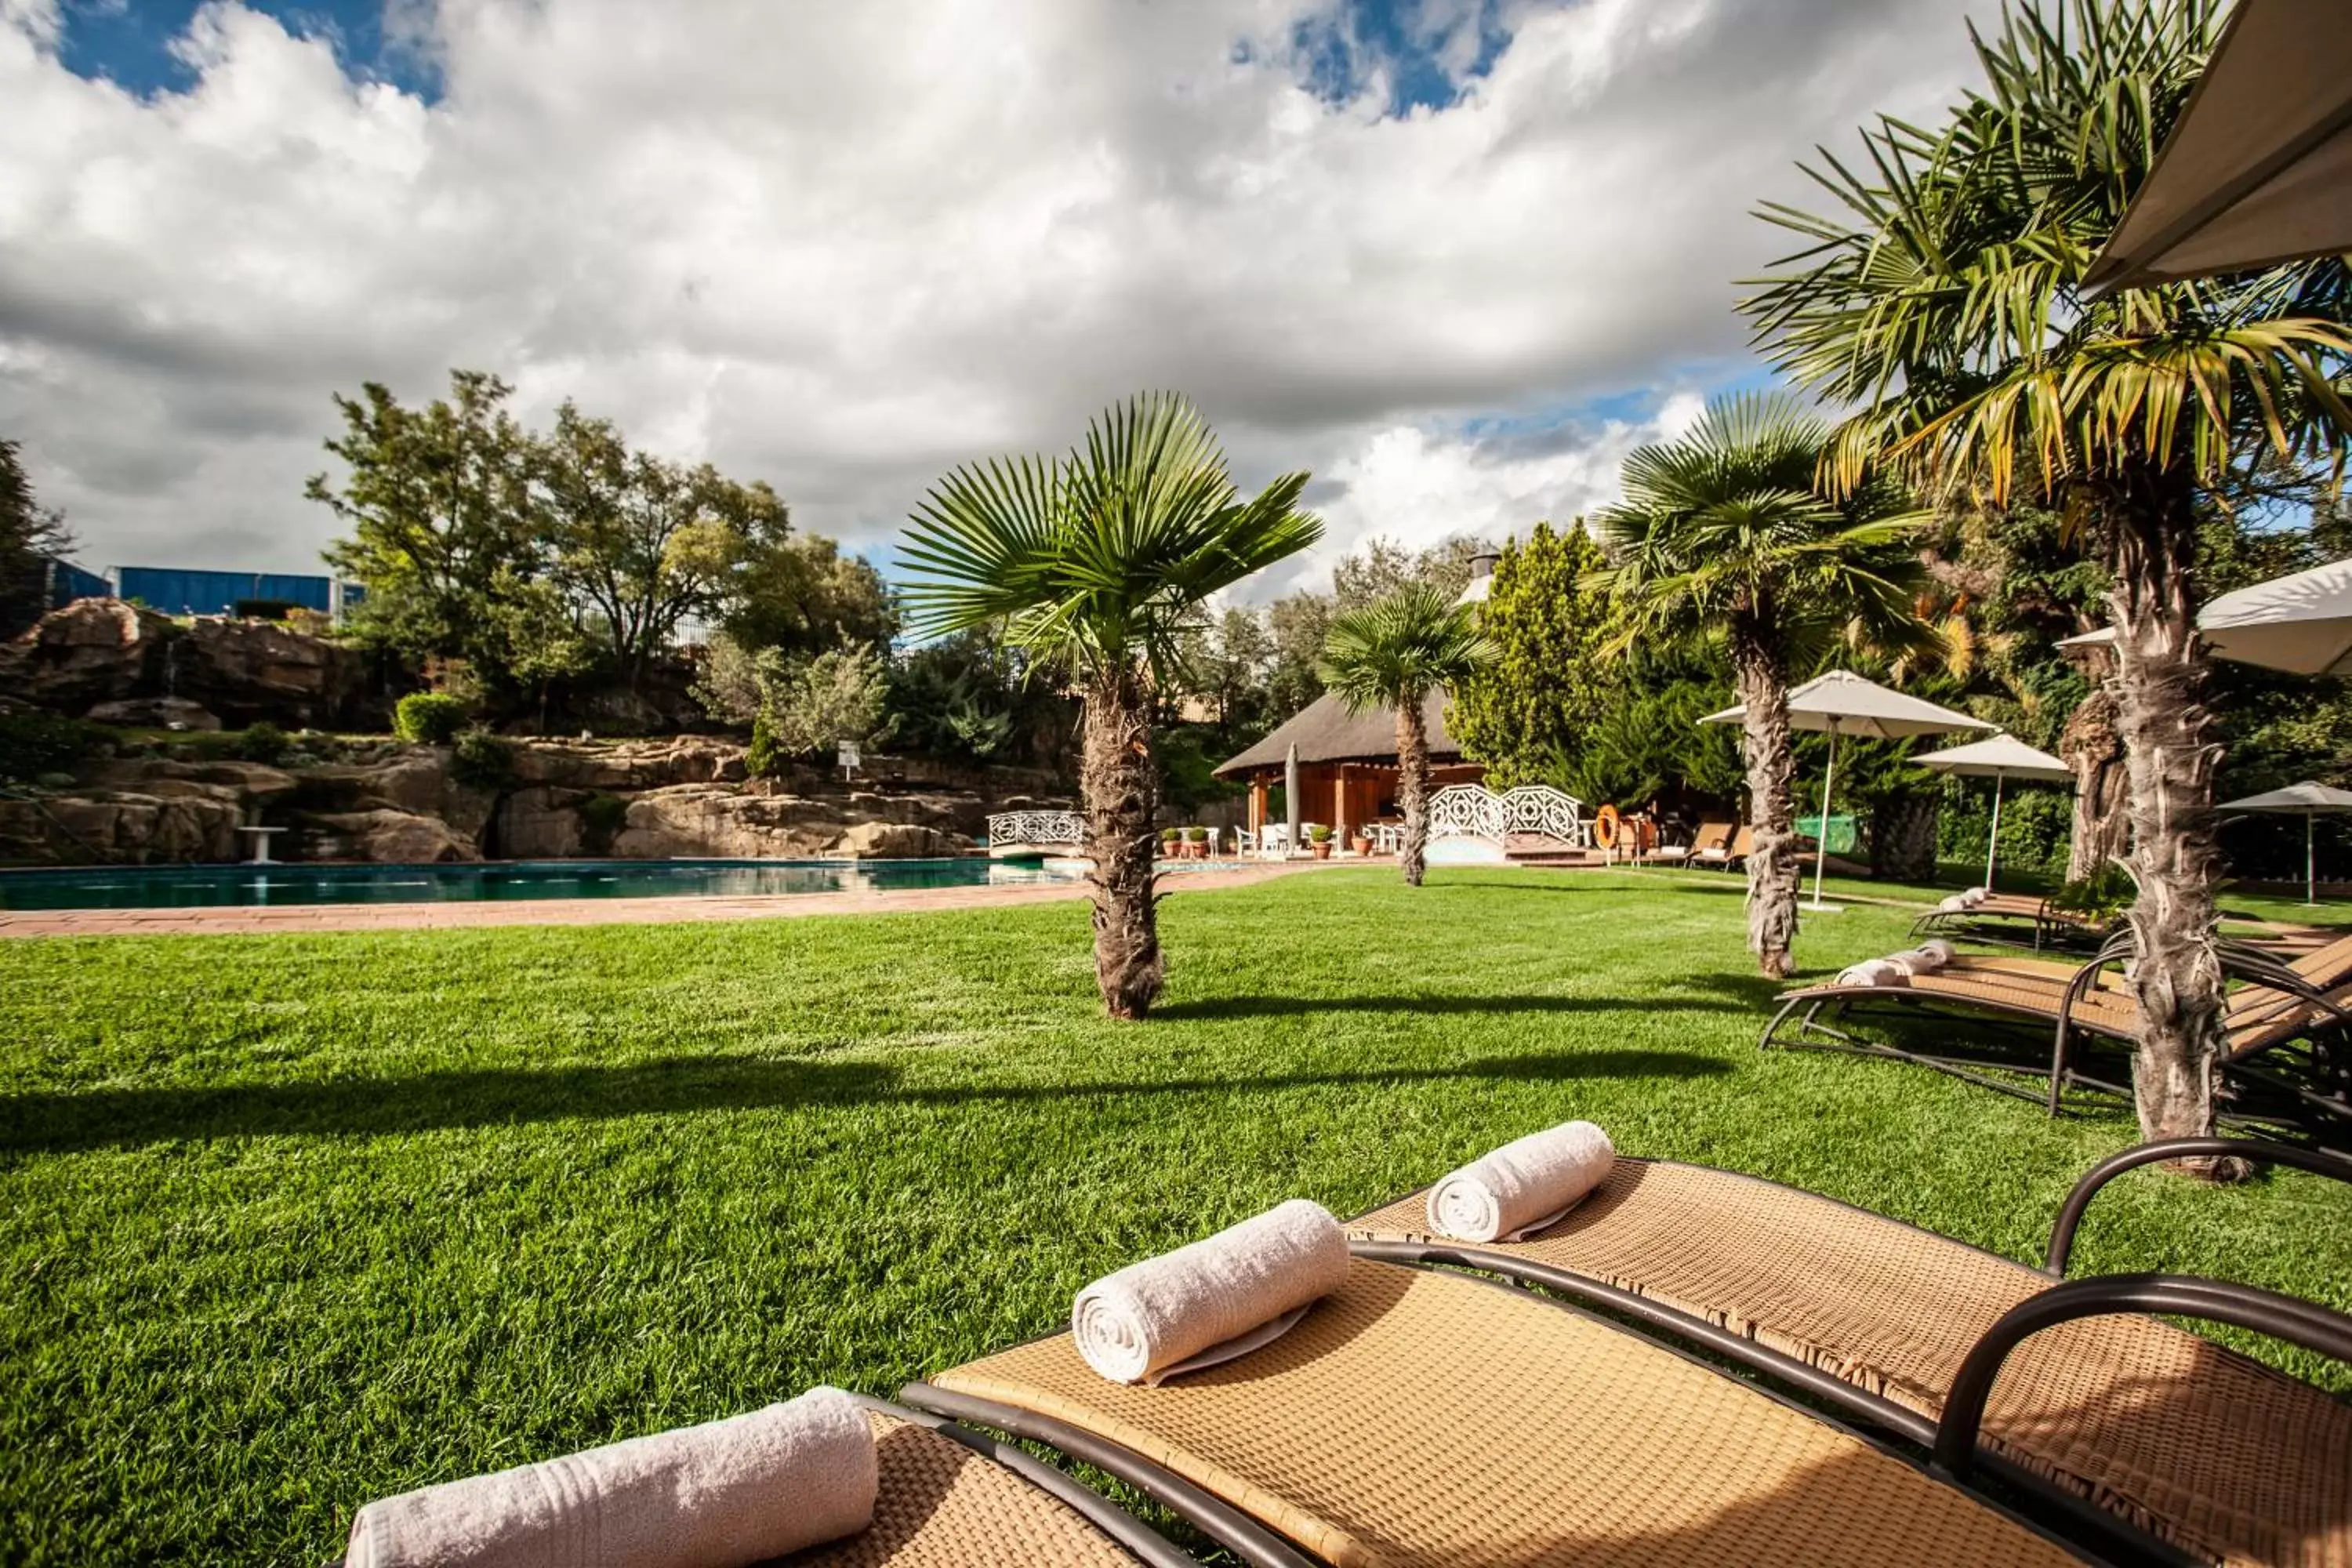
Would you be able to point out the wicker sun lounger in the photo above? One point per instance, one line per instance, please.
(2214, 1453)
(2016, 920)
(949, 1497)
(2285, 1064)
(1417, 1417)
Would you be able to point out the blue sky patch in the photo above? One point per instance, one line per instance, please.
(129, 42)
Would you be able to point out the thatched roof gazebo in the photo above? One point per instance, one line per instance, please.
(1347, 763)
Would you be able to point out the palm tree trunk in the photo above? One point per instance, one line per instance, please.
(2095, 752)
(1771, 757)
(2168, 760)
(1119, 787)
(1412, 790)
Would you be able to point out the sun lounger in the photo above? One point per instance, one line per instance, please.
(1418, 1418)
(2016, 920)
(949, 1497)
(1725, 853)
(2283, 1062)
(2215, 1453)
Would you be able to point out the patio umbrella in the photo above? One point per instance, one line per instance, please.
(2258, 169)
(1844, 703)
(1290, 801)
(2309, 800)
(2301, 624)
(2001, 758)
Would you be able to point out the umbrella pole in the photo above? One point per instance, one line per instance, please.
(1992, 839)
(2310, 871)
(1821, 839)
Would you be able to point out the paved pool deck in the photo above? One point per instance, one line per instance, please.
(583, 912)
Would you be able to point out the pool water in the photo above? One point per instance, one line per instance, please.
(185, 886)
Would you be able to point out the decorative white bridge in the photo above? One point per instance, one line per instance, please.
(1471, 824)
(1023, 833)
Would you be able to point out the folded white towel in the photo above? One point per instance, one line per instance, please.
(1872, 971)
(1153, 1314)
(1939, 950)
(716, 1496)
(1954, 904)
(1976, 896)
(1534, 1178)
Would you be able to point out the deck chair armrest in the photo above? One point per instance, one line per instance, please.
(1229, 1527)
(2070, 1213)
(2299, 1323)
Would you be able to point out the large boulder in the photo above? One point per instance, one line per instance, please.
(91, 651)
(120, 827)
(632, 765)
(415, 780)
(541, 823)
(895, 841)
(718, 821)
(249, 671)
(386, 837)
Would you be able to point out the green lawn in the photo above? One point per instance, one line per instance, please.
(293, 1221)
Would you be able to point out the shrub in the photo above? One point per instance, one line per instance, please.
(2101, 896)
(1318, 832)
(32, 744)
(265, 743)
(1197, 835)
(601, 817)
(429, 718)
(1169, 835)
(760, 759)
(481, 760)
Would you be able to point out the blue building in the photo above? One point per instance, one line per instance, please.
(186, 591)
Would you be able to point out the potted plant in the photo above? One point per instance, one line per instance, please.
(1362, 841)
(1196, 843)
(1167, 837)
(1320, 835)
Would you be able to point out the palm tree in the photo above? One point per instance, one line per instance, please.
(1394, 653)
(1945, 304)
(1098, 562)
(1723, 532)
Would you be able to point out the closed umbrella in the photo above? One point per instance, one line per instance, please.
(2309, 800)
(2301, 623)
(1844, 703)
(2001, 758)
(1290, 801)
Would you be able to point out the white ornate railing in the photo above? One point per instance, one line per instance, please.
(1036, 828)
(1473, 811)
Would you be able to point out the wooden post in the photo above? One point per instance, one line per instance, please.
(1339, 807)
(1257, 804)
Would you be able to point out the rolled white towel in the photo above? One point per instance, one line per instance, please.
(1937, 951)
(1151, 1315)
(716, 1496)
(1871, 971)
(1976, 896)
(1954, 904)
(1534, 1178)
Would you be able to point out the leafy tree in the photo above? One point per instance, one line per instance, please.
(1380, 568)
(645, 543)
(1393, 654)
(801, 594)
(1643, 735)
(1533, 703)
(1945, 303)
(809, 704)
(444, 520)
(1723, 534)
(30, 534)
(728, 683)
(1098, 560)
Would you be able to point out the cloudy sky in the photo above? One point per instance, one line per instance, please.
(1452, 256)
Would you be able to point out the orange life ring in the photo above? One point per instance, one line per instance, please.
(1604, 827)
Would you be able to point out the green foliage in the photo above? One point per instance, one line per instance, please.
(1530, 711)
(2103, 895)
(1643, 737)
(1394, 652)
(1101, 558)
(30, 534)
(1196, 836)
(1188, 756)
(801, 594)
(479, 760)
(2036, 826)
(1169, 835)
(35, 744)
(601, 817)
(1318, 832)
(760, 758)
(838, 695)
(967, 696)
(429, 718)
(264, 743)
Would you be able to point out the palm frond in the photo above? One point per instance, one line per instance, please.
(1395, 652)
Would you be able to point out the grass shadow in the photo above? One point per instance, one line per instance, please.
(1294, 1006)
(51, 1123)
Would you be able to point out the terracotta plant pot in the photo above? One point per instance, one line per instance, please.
(1363, 847)
(1323, 849)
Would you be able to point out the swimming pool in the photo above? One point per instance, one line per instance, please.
(232, 887)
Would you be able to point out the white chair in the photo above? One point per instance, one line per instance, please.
(1244, 841)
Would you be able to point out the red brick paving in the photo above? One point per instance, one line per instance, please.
(567, 912)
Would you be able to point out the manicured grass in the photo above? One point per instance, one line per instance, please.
(292, 1222)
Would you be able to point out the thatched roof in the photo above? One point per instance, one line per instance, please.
(1324, 731)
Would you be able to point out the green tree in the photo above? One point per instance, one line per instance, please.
(444, 520)
(1532, 704)
(30, 535)
(1724, 534)
(1394, 653)
(808, 704)
(1098, 560)
(801, 593)
(644, 544)
(1944, 302)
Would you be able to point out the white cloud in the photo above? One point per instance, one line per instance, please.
(844, 247)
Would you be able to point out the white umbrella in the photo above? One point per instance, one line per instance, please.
(2309, 800)
(1999, 759)
(1844, 703)
(2301, 624)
